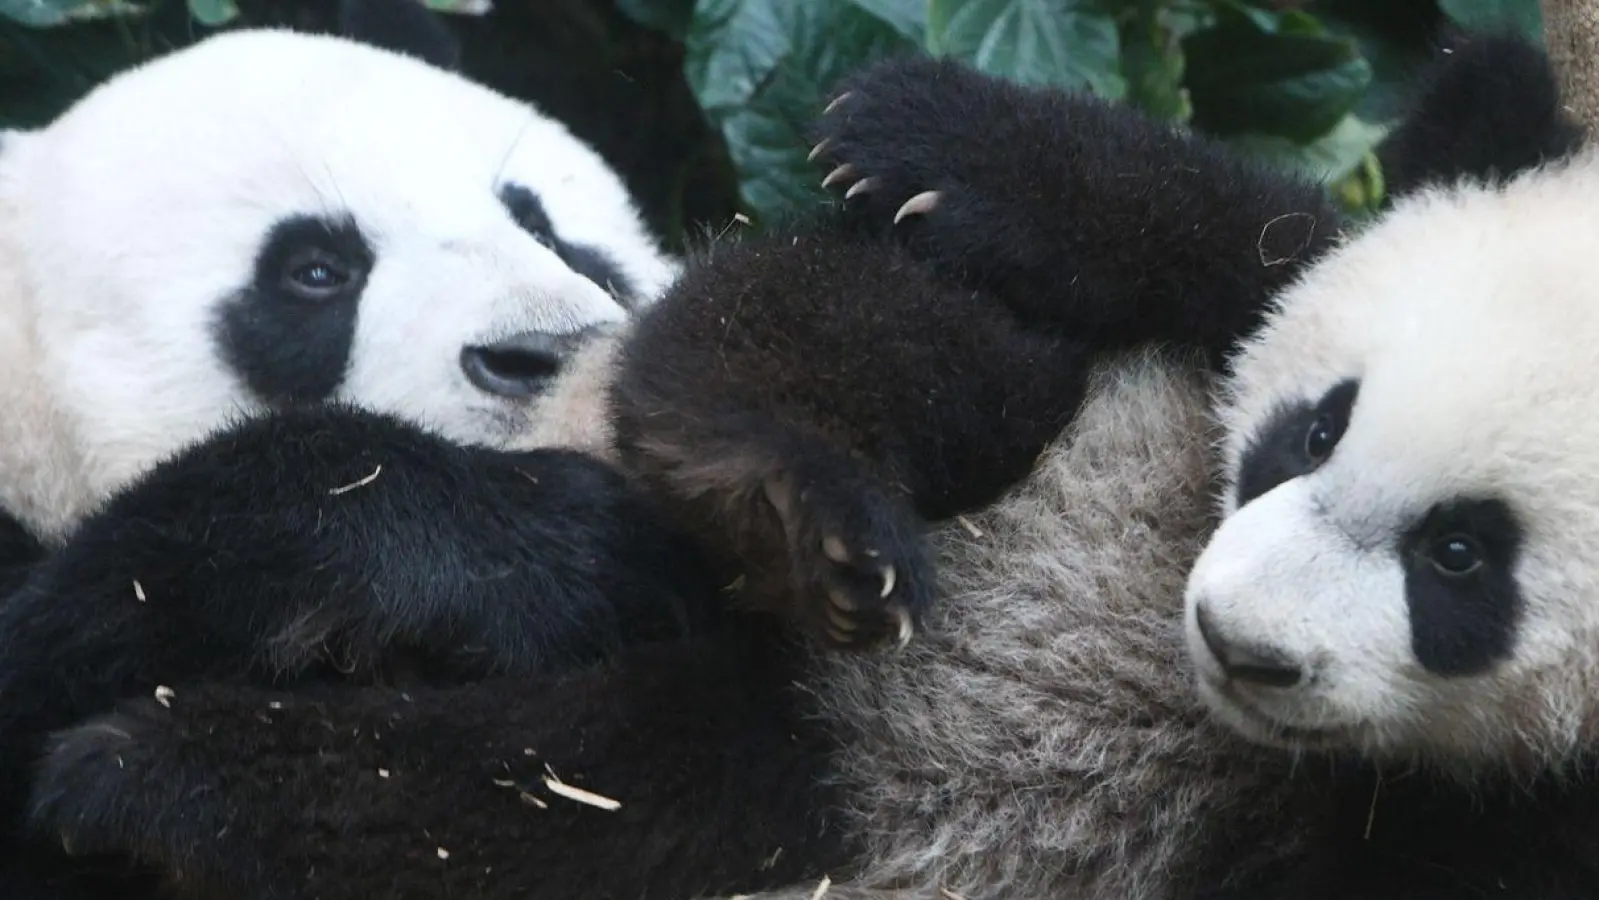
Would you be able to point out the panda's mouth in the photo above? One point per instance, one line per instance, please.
(1245, 718)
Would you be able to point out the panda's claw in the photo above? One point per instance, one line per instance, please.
(838, 613)
(835, 103)
(842, 173)
(889, 578)
(860, 187)
(833, 548)
(818, 150)
(919, 205)
(905, 627)
(840, 638)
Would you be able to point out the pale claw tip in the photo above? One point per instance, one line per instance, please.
(835, 550)
(836, 102)
(836, 614)
(921, 204)
(816, 150)
(902, 617)
(889, 577)
(860, 187)
(837, 175)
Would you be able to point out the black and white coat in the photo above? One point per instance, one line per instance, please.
(243, 284)
(1012, 330)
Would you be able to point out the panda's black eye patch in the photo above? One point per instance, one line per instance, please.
(1296, 440)
(308, 258)
(287, 333)
(527, 210)
(1459, 562)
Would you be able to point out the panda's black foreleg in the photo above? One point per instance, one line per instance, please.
(336, 545)
(807, 400)
(697, 772)
(1086, 217)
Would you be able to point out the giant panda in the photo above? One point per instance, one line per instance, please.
(1016, 329)
(293, 331)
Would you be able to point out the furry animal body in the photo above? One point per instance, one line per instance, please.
(363, 271)
(1027, 357)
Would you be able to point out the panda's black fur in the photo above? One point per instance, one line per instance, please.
(840, 381)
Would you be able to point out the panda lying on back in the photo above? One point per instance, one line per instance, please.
(281, 322)
(1403, 580)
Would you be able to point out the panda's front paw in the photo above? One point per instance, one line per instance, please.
(859, 575)
(115, 785)
(886, 146)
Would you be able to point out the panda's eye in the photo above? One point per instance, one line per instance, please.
(315, 275)
(1456, 555)
(1321, 438)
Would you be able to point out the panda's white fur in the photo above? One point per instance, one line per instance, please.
(1469, 318)
(125, 222)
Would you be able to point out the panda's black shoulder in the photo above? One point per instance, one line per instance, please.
(19, 550)
(1351, 831)
(1486, 108)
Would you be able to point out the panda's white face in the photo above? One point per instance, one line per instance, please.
(270, 218)
(1407, 560)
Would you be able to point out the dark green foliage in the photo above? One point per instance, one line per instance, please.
(1306, 83)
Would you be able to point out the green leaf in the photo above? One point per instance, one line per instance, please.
(1065, 43)
(1268, 73)
(51, 13)
(1342, 159)
(761, 70)
(1153, 63)
(908, 17)
(1524, 16)
(1396, 39)
(669, 16)
(213, 12)
(461, 7)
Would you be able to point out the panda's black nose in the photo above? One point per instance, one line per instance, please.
(1261, 666)
(522, 365)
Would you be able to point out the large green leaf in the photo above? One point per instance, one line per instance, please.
(1524, 16)
(1257, 72)
(761, 70)
(1067, 43)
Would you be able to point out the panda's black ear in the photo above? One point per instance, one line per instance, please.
(404, 26)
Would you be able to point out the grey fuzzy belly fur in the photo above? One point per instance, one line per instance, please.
(1042, 740)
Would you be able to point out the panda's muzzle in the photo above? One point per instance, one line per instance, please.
(1259, 666)
(523, 365)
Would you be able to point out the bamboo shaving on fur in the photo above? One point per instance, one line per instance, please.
(577, 794)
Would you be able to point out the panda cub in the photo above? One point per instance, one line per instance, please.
(1012, 331)
(278, 362)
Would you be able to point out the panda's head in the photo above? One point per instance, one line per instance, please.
(1408, 560)
(269, 218)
